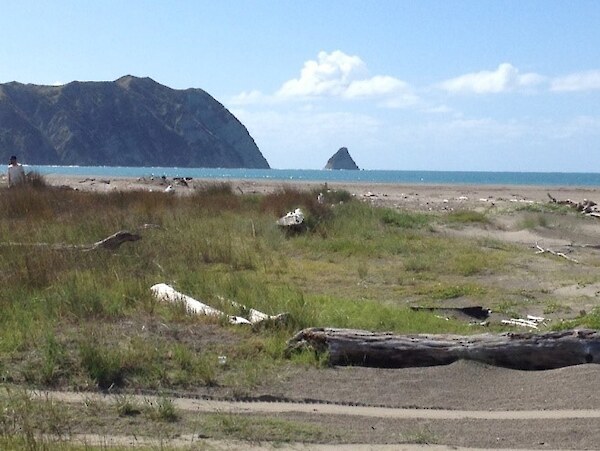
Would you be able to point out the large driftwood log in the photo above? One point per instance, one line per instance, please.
(523, 351)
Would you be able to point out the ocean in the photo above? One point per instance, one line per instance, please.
(315, 175)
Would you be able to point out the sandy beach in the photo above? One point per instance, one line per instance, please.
(416, 197)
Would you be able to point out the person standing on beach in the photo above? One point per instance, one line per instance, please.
(16, 174)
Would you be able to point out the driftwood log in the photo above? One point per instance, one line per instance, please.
(111, 243)
(587, 207)
(541, 250)
(115, 240)
(167, 293)
(164, 292)
(523, 351)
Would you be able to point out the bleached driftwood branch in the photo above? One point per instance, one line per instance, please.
(524, 351)
(541, 250)
(531, 321)
(111, 243)
(165, 292)
(256, 316)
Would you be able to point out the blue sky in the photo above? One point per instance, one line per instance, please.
(443, 85)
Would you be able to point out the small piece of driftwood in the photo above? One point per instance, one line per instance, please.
(542, 250)
(531, 321)
(523, 351)
(256, 316)
(475, 312)
(165, 292)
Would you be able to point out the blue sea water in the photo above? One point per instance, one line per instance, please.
(314, 175)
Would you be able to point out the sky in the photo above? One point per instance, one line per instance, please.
(463, 85)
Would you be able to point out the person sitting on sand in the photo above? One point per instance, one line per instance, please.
(16, 174)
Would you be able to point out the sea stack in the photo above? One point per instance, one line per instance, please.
(341, 160)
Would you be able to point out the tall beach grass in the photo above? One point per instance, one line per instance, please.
(87, 318)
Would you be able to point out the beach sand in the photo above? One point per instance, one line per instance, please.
(416, 197)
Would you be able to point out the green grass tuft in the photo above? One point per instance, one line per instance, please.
(467, 217)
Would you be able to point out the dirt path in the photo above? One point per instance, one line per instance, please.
(365, 427)
(212, 406)
(189, 441)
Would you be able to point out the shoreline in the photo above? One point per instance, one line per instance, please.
(417, 196)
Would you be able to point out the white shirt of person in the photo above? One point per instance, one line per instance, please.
(16, 174)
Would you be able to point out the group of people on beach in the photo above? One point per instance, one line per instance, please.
(16, 173)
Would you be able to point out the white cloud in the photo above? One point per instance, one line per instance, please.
(582, 81)
(330, 75)
(375, 86)
(391, 92)
(336, 75)
(505, 78)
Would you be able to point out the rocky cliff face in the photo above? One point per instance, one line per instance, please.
(341, 160)
(129, 122)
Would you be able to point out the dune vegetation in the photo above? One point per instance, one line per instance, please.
(80, 319)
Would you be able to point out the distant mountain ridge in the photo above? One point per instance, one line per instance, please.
(128, 122)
